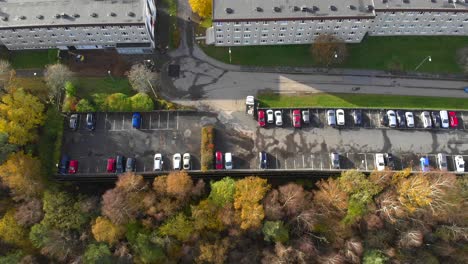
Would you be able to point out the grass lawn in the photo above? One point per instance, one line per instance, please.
(378, 53)
(86, 86)
(32, 58)
(50, 141)
(362, 100)
(33, 85)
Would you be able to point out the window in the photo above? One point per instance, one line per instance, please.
(246, 35)
(247, 23)
(219, 35)
(265, 23)
(237, 29)
(282, 29)
(299, 34)
(217, 30)
(281, 35)
(236, 41)
(219, 42)
(302, 22)
(280, 41)
(246, 41)
(236, 23)
(264, 35)
(125, 33)
(247, 29)
(263, 41)
(219, 23)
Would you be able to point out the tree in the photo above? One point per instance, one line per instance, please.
(85, 106)
(56, 76)
(142, 102)
(142, 79)
(179, 227)
(60, 245)
(330, 197)
(275, 231)
(118, 102)
(179, 184)
(222, 192)
(11, 232)
(105, 231)
(292, 199)
(20, 115)
(328, 49)
(70, 89)
(205, 216)
(97, 254)
(12, 257)
(21, 173)
(5, 67)
(202, 7)
(374, 257)
(6, 148)
(63, 211)
(29, 212)
(213, 253)
(412, 238)
(249, 192)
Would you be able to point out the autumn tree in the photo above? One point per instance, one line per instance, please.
(142, 79)
(97, 254)
(249, 192)
(205, 216)
(411, 238)
(5, 148)
(20, 115)
(6, 72)
(179, 184)
(11, 231)
(328, 49)
(63, 211)
(354, 250)
(284, 254)
(21, 173)
(179, 227)
(215, 253)
(5, 66)
(222, 191)
(202, 7)
(29, 212)
(105, 231)
(56, 75)
(275, 231)
(60, 245)
(330, 197)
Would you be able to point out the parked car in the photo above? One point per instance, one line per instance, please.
(409, 119)
(340, 117)
(335, 160)
(158, 162)
(459, 163)
(130, 165)
(389, 161)
(228, 161)
(306, 116)
(444, 119)
(331, 119)
(391, 118)
(383, 118)
(435, 119)
(261, 118)
(453, 119)
(400, 115)
(73, 167)
(263, 160)
(270, 118)
(136, 120)
(357, 116)
(63, 166)
(186, 161)
(74, 121)
(90, 121)
(379, 161)
(426, 118)
(278, 118)
(119, 164)
(442, 161)
(424, 162)
(110, 165)
(296, 118)
(219, 160)
(176, 161)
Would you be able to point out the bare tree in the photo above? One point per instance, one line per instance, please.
(354, 250)
(29, 212)
(5, 66)
(142, 79)
(56, 75)
(6, 73)
(328, 49)
(413, 238)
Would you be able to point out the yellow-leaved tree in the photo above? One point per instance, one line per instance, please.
(105, 231)
(249, 192)
(202, 7)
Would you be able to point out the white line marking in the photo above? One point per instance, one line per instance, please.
(113, 127)
(150, 122)
(365, 160)
(276, 160)
(123, 122)
(159, 120)
(177, 120)
(294, 162)
(463, 119)
(321, 163)
(285, 165)
(141, 125)
(105, 124)
(303, 161)
(311, 161)
(167, 120)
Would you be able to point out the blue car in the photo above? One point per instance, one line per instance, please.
(63, 166)
(424, 164)
(136, 120)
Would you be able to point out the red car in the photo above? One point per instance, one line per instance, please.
(110, 165)
(297, 118)
(261, 118)
(453, 119)
(73, 167)
(219, 160)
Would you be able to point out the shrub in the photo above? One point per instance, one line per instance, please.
(99, 100)
(207, 148)
(118, 102)
(141, 102)
(69, 104)
(70, 89)
(85, 106)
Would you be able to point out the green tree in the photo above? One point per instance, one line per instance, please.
(63, 211)
(205, 216)
(275, 231)
(39, 235)
(222, 192)
(374, 257)
(142, 102)
(70, 89)
(12, 257)
(5, 147)
(147, 251)
(118, 102)
(11, 232)
(85, 106)
(20, 115)
(97, 254)
(179, 227)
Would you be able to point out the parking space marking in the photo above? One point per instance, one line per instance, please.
(177, 121)
(294, 163)
(463, 119)
(159, 120)
(276, 160)
(303, 161)
(123, 122)
(150, 122)
(167, 120)
(365, 161)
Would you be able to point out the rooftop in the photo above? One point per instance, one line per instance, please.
(422, 4)
(24, 13)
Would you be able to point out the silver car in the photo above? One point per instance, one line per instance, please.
(391, 118)
(335, 160)
(305, 116)
(442, 161)
(331, 118)
(426, 118)
(409, 119)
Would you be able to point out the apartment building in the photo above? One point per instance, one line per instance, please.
(126, 25)
(257, 22)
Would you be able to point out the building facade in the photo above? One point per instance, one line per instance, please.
(126, 25)
(257, 22)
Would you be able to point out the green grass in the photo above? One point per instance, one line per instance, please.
(380, 53)
(362, 100)
(87, 86)
(31, 59)
(50, 141)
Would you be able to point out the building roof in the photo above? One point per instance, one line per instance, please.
(26, 13)
(290, 9)
(447, 5)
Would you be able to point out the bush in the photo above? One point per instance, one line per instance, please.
(207, 148)
(165, 105)
(141, 102)
(99, 100)
(70, 89)
(69, 104)
(118, 102)
(85, 106)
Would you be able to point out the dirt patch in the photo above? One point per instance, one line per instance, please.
(462, 58)
(97, 63)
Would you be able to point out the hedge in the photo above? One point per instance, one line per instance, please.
(207, 148)
(118, 102)
(142, 102)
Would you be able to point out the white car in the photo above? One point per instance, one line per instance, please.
(176, 161)
(391, 118)
(306, 116)
(186, 160)
(278, 118)
(379, 161)
(228, 161)
(426, 118)
(270, 118)
(340, 118)
(158, 162)
(442, 161)
(444, 119)
(409, 119)
(459, 163)
(331, 120)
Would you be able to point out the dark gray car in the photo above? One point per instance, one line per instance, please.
(119, 164)
(357, 116)
(401, 120)
(130, 167)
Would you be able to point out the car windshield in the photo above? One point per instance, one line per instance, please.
(157, 158)
(391, 114)
(228, 163)
(381, 164)
(340, 113)
(177, 158)
(331, 114)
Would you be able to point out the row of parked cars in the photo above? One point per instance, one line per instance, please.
(91, 121)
